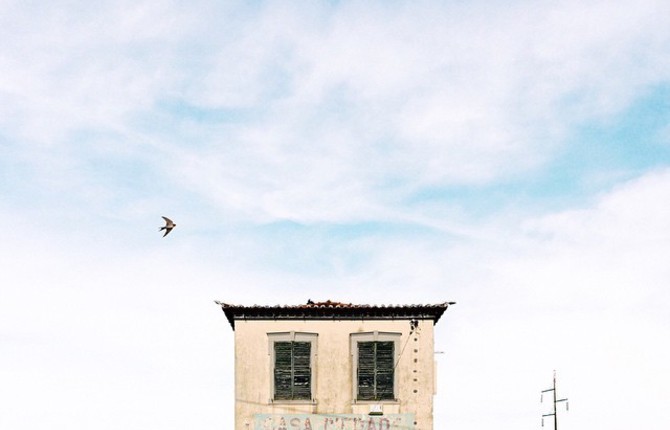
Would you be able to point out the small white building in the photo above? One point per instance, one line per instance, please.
(334, 366)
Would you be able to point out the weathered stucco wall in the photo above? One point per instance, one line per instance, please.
(332, 374)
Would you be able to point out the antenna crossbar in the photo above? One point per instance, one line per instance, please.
(554, 401)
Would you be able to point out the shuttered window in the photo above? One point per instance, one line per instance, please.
(375, 373)
(292, 371)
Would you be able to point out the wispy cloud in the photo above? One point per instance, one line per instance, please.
(379, 100)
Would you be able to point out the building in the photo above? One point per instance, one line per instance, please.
(334, 366)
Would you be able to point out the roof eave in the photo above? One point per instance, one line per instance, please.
(267, 313)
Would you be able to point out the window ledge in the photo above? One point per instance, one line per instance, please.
(376, 402)
(293, 402)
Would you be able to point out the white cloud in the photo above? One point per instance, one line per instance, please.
(420, 97)
(583, 291)
(372, 96)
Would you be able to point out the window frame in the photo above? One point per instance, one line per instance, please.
(292, 336)
(376, 336)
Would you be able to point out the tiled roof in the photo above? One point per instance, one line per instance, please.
(330, 310)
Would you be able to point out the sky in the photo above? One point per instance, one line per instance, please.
(513, 157)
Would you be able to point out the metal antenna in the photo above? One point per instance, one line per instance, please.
(554, 414)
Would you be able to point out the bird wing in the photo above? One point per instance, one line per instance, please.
(168, 221)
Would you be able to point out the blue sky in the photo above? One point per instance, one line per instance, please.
(514, 158)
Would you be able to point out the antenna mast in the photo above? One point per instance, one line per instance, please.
(555, 401)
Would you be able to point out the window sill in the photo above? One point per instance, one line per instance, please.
(293, 402)
(376, 402)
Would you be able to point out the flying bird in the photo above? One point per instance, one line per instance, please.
(169, 225)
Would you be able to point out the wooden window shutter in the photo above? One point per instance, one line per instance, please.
(375, 370)
(385, 370)
(292, 371)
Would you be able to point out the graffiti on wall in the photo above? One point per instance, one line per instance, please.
(333, 422)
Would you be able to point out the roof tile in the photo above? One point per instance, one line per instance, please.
(332, 310)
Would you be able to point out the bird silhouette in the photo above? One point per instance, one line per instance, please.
(169, 225)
